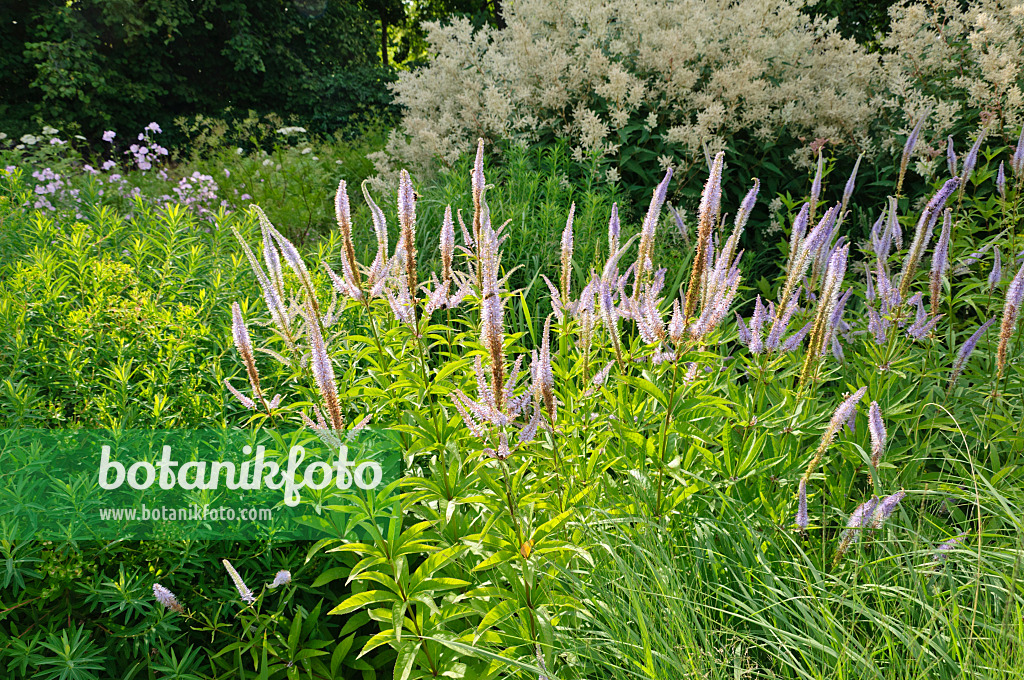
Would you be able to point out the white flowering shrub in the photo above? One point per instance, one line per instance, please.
(960, 64)
(656, 81)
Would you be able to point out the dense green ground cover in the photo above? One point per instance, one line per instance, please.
(644, 525)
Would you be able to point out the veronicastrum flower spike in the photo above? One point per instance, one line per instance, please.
(275, 304)
(876, 427)
(848, 189)
(567, 246)
(243, 590)
(821, 330)
(244, 346)
(908, 149)
(802, 518)
(292, 258)
(614, 229)
(1017, 161)
(709, 202)
(343, 214)
(885, 508)
(644, 262)
(407, 224)
(940, 261)
(816, 185)
(996, 275)
(1011, 312)
(323, 369)
(282, 578)
(971, 159)
(860, 519)
(378, 270)
(842, 415)
(966, 349)
(447, 245)
(166, 598)
(922, 234)
(478, 183)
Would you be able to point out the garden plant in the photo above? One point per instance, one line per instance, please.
(671, 399)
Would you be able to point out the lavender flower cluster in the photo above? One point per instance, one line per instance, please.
(53, 190)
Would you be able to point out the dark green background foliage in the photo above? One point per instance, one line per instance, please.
(122, 63)
(89, 65)
(861, 20)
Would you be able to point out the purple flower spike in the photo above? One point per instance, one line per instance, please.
(816, 184)
(885, 508)
(908, 148)
(972, 157)
(793, 341)
(614, 229)
(996, 275)
(860, 519)
(1017, 161)
(166, 598)
(862, 515)
(802, 519)
(848, 190)
(950, 157)
(876, 426)
(1011, 311)
(942, 552)
(965, 352)
(800, 226)
(747, 205)
(742, 330)
(1001, 181)
(919, 331)
(852, 181)
(938, 201)
(756, 326)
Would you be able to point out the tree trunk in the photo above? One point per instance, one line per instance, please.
(384, 38)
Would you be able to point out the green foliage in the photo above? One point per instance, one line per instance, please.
(98, 64)
(511, 546)
(864, 21)
(113, 320)
(643, 529)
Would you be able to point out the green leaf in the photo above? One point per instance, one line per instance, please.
(362, 600)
